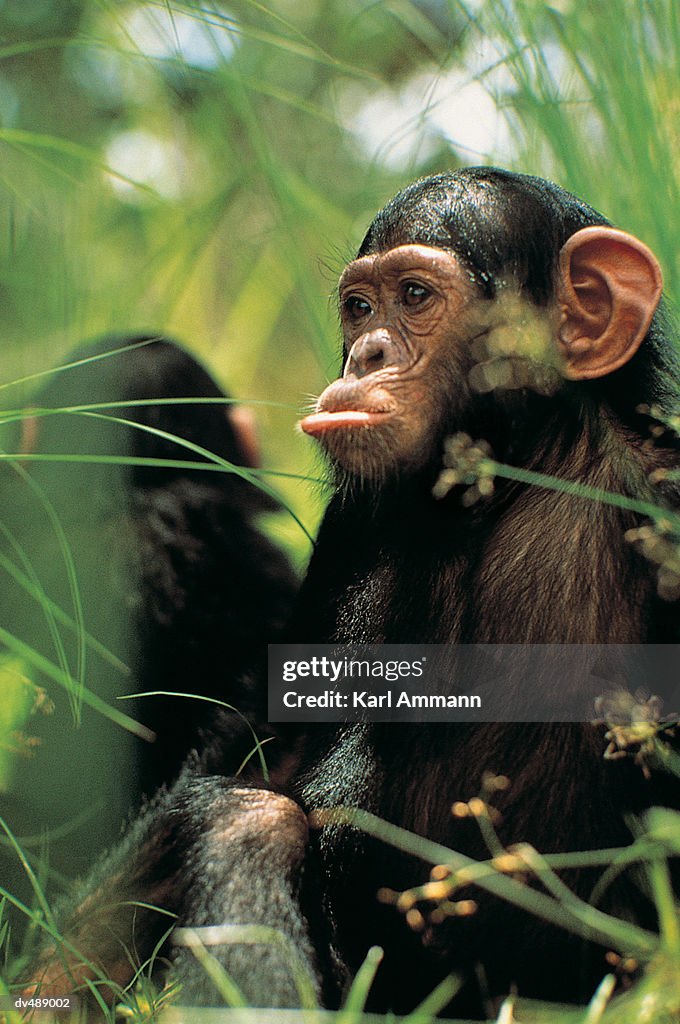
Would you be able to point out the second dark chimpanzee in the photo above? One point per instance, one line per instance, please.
(193, 577)
(179, 587)
(503, 307)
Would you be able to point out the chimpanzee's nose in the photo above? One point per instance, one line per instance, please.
(370, 352)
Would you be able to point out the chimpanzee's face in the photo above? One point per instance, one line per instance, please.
(408, 316)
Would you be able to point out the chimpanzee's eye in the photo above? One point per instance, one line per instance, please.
(356, 307)
(414, 294)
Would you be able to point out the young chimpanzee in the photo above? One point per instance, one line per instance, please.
(494, 306)
(499, 306)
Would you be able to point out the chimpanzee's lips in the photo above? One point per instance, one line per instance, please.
(322, 422)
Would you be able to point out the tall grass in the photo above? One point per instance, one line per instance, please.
(591, 94)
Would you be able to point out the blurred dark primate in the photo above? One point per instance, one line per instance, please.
(176, 579)
(212, 590)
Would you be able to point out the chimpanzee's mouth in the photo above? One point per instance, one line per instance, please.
(322, 422)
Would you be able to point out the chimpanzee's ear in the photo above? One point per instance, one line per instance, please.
(244, 425)
(610, 285)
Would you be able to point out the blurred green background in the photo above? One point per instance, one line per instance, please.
(204, 170)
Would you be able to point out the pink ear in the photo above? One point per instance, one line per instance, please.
(245, 427)
(610, 284)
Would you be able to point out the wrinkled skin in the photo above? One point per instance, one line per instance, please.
(404, 314)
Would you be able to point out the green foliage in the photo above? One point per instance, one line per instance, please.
(591, 94)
